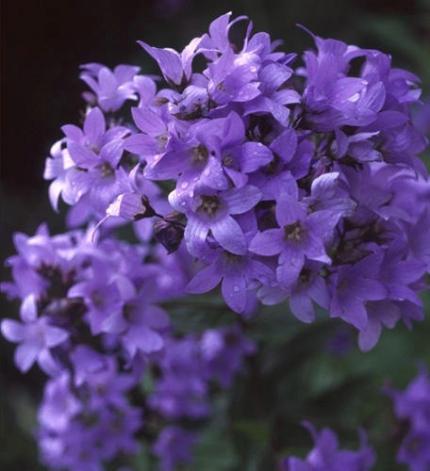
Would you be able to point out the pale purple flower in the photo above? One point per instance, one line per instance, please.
(35, 336)
(326, 455)
(110, 88)
(174, 447)
(352, 286)
(96, 153)
(413, 406)
(301, 236)
(224, 351)
(208, 210)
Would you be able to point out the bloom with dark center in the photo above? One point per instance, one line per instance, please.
(208, 210)
(301, 236)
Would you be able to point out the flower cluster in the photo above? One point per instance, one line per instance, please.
(326, 456)
(187, 370)
(89, 422)
(90, 317)
(273, 178)
(69, 287)
(290, 182)
(412, 406)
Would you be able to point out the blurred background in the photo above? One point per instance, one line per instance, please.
(43, 44)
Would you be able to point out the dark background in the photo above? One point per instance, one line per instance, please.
(43, 44)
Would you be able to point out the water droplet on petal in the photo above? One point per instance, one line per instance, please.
(236, 289)
(184, 185)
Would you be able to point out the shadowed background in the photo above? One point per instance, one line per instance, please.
(43, 44)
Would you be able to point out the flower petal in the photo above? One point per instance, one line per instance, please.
(301, 306)
(195, 235)
(205, 280)
(270, 242)
(254, 155)
(28, 311)
(168, 60)
(243, 199)
(25, 355)
(12, 330)
(94, 125)
(233, 290)
(229, 235)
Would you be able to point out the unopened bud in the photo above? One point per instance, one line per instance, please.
(131, 206)
(169, 231)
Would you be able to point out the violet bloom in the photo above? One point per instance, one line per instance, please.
(326, 455)
(234, 77)
(96, 153)
(309, 288)
(239, 276)
(210, 152)
(97, 425)
(56, 167)
(191, 159)
(140, 325)
(413, 406)
(300, 236)
(275, 96)
(354, 285)
(151, 142)
(175, 67)
(208, 210)
(102, 298)
(224, 351)
(333, 99)
(35, 337)
(182, 390)
(111, 88)
(174, 447)
(60, 405)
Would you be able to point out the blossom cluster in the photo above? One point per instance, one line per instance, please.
(299, 182)
(412, 407)
(326, 456)
(91, 319)
(273, 178)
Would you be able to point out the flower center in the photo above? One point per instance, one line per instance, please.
(294, 232)
(162, 140)
(227, 160)
(199, 154)
(106, 169)
(209, 205)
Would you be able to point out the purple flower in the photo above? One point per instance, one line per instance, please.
(96, 153)
(95, 424)
(175, 67)
(224, 351)
(326, 455)
(102, 298)
(60, 405)
(354, 285)
(333, 99)
(309, 288)
(275, 95)
(208, 210)
(413, 406)
(300, 236)
(174, 446)
(35, 337)
(110, 89)
(182, 389)
(239, 275)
